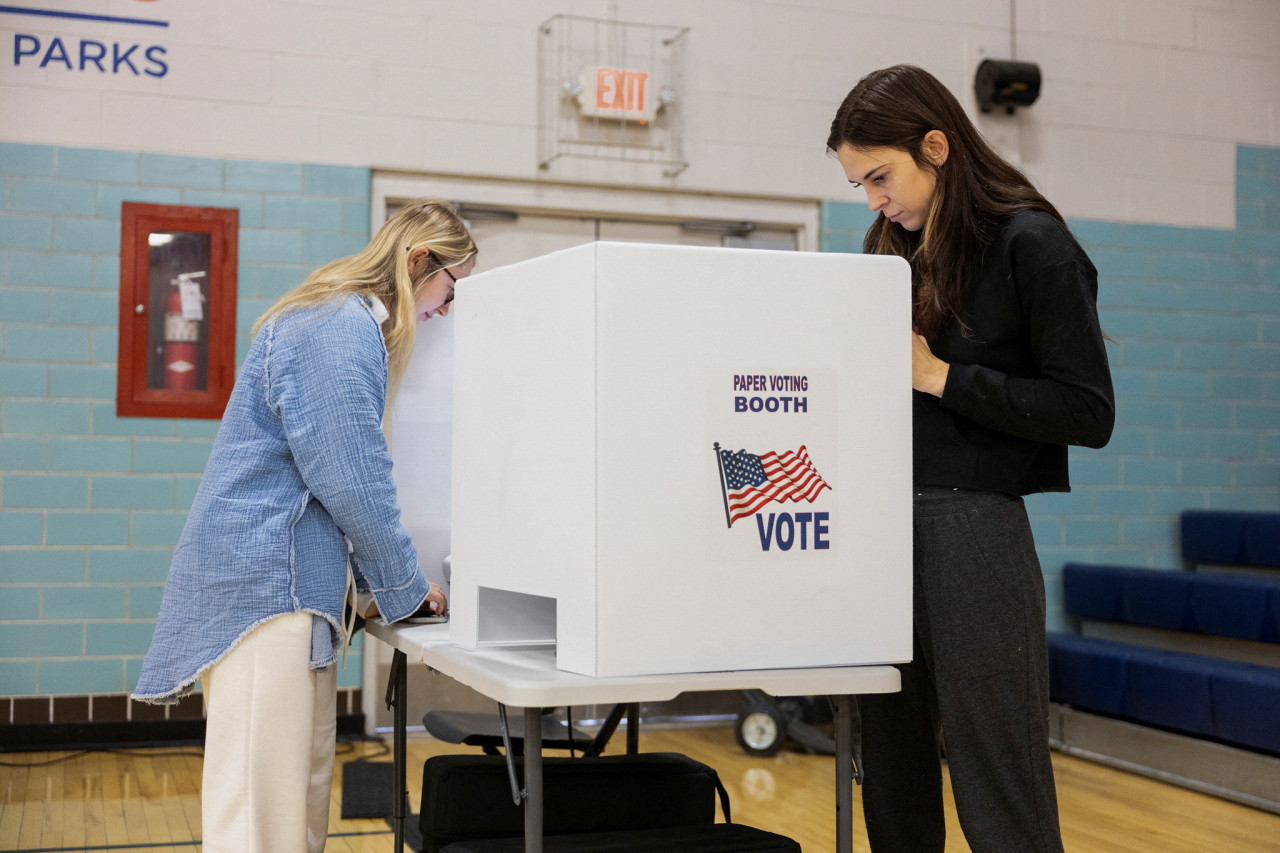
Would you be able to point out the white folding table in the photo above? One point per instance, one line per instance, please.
(526, 677)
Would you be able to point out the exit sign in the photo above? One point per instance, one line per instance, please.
(621, 93)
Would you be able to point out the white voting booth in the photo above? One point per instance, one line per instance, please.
(624, 418)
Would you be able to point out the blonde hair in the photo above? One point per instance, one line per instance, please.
(381, 269)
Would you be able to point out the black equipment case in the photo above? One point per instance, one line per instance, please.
(716, 838)
(468, 798)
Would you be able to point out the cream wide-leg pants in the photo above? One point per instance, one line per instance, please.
(269, 743)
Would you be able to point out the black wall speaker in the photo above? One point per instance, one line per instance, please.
(1006, 83)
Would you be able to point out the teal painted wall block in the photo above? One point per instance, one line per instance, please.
(21, 528)
(45, 195)
(319, 248)
(22, 454)
(75, 234)
(144, 600)
(90, 454)
(305, 212)
(82, 381)
(80, 677)
(1260, 475)
(93, 308)
(20, 159)
(1208, 473)
(270, 245)
(1262, 415)
(32, 639)
(184, 491)
(264, 177)
(1239, 445)
(186, 172)
(1149, 472)
(87, 528)
(111, 197)
(22, 305)
(45, 417)
(1117, 502)
(1090, 532)
(132, 492)
(105, 422)
(42, 565)
(47, 269)
(106, 272)
(1144, 531)
(248, 204)
(118, 639)
(348, 181)
(157, 528)
(17, 678)
(350, 675)
(25, 231)
(1204, 355)
(45, 343)
(275, 280)
(1147, 413)
(157, 456)
(41, 491)
(1206, 414)
(197, 428)
(19, 602)
(90, 164)
(1095, 470)
(87, 601)
(1178, 442)
(355, 217)
(129, 565)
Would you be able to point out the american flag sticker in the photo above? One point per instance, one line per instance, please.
(749, 482)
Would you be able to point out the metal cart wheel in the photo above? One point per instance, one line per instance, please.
(762, 730)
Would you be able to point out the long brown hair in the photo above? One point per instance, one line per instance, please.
(381, 269)
(975, 188)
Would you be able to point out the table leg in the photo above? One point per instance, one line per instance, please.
(396, 692)
(633, 728)
(844, 773)
(533, 780)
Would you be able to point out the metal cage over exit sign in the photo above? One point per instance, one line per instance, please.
(610, 90)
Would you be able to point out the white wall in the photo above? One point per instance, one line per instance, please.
(1142, 105)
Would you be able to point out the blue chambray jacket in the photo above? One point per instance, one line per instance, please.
(299, 463)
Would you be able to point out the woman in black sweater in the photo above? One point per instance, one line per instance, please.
(1008, 368)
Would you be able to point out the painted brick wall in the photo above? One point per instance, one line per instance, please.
(91, 505)
(1195, 318)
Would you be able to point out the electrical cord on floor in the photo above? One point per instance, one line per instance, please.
(81, 753)
(345, 745)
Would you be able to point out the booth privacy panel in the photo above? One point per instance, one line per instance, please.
(679, 459)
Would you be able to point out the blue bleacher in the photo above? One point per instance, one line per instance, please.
(1234, 702)
(1231, 538)
(1200, 695)
(1245, 608)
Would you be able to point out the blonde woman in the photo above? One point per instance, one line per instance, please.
(299, 476)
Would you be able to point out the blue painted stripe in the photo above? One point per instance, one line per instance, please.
(80, 16)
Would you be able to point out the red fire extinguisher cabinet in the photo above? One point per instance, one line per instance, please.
(177, 327)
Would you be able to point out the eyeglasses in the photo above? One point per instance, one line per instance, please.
(453, 278)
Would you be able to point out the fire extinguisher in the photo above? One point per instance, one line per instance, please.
(181, 338)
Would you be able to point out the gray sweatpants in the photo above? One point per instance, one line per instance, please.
(980, 676)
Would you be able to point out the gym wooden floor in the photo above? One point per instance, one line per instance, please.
(150, 800)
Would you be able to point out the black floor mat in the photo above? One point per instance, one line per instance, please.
(368, 788)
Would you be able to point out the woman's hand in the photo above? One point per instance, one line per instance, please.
(435, 604)
(435, 599)
(928, 372)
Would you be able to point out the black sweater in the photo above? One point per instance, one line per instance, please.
(1029, 371)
